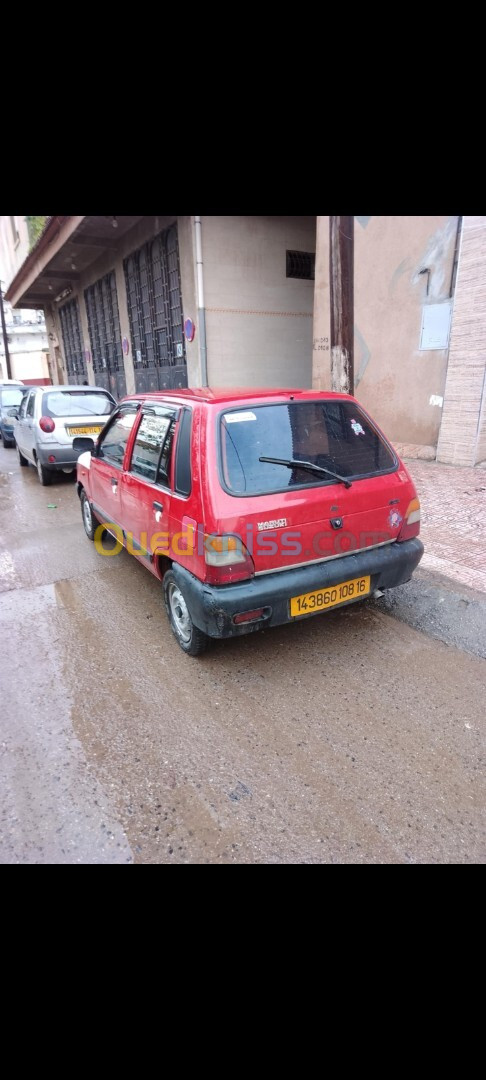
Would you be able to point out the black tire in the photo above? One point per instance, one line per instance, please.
(90, 522)
(8, 443)
(191, 640)
(44, 475)
(22, 460)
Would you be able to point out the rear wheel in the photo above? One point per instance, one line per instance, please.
(22, 460)
(190, 638)
(89, 521)
(44, 475)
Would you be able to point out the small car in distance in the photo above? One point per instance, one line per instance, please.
(51, 417)
(11, 393)
(252, 507)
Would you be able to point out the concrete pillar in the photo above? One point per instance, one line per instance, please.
(83, 323)
(121, 290)
(187, 260)
(462, 437)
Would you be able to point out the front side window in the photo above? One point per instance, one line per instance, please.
(113, 443)
(77, 403)
(151, 449)
(334, 435)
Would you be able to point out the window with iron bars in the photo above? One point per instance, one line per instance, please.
(301, 264)
(152, 276)
(104, 324)
(72, 341)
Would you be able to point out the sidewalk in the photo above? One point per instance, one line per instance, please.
(453, 527)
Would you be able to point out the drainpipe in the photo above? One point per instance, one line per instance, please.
(200, 303)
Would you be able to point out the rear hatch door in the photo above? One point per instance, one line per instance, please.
(289, 515)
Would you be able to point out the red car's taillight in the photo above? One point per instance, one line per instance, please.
(46, 423)
(411, 521)
(227, 560)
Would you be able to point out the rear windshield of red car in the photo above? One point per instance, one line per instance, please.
(335, 435)
(77, 403)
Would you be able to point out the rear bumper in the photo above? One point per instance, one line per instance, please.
(65, 456)
(212, 607)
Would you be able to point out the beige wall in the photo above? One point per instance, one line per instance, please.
(394, 379)
(321, 355)
(258, 321)
(463, 432)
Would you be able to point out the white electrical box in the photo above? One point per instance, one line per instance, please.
(436, 325)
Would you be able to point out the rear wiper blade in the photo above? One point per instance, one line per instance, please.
(291, 464)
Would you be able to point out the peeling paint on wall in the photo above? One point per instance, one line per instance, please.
(364, 357)
(436, 399)
(406, 264)
(436, 258)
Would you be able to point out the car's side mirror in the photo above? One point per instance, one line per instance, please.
(83, 443)
(13, 411)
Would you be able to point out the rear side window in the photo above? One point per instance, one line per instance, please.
(183, 455)
(31, 404)
(76, 403)
(334, 435)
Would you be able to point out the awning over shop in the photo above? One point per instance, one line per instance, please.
(64, 251)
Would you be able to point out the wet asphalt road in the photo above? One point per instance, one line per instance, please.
(352, 737)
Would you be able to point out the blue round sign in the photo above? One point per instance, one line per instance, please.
(189, 330)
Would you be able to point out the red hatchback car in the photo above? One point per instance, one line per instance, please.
(253, 507)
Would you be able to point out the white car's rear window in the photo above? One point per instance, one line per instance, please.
(77, 403)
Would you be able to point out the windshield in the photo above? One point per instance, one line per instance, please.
(77, 403)
(10, 397)
(334, 435)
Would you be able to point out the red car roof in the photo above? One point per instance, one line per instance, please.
(230, 394)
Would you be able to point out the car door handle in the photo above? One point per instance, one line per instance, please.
(114, 481)
(158, 506)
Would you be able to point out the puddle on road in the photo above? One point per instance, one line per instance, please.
(7, 569)
(66, 595)
(19, 603)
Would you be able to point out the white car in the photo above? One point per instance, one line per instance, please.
(48, 420)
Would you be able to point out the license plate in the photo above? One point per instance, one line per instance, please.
(312, 602)
(88, 429)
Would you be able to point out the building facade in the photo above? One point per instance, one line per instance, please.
(419, 330)
(26, 329)
(145, 303)
(27, 346)
(117, 292)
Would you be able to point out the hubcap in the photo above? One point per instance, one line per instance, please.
(179, 612)
(88, 520)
